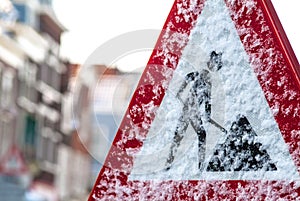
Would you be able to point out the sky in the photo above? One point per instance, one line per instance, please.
(92, 23)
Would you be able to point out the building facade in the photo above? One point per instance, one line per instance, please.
(34, 93)
(111, 97)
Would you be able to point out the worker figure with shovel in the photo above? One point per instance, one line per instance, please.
(198, 99)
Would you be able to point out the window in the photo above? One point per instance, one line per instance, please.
(7, 131)
(7, 88)
(31, 74)
(26, 14)
(56, 80)
(47, 78)
(28, 73)
(7, 117)
(48, 145)
(44, 73)
(30, 130)
(30, 136)
(46, 2)
(27, 77)
(22, 10)
(54, 76)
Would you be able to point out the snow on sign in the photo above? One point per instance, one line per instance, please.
(215, 115)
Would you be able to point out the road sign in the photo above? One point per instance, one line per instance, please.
(215, 114)
(13, 162)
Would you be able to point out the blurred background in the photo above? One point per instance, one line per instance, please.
(58, 111)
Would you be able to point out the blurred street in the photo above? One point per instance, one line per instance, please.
(57, 119)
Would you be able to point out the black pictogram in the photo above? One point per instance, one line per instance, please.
(240, 152)
(199, 94)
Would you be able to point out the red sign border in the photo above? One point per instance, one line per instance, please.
(112, 182)
(13, 151)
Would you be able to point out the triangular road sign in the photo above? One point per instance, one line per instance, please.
(215, 114)
(13, 162)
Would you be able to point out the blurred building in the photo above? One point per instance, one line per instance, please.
(34, 94)
(57, 120)
(111, 97)
(99, 97)
(75, 158)
(14, 175)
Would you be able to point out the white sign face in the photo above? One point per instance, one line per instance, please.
(214, 122)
